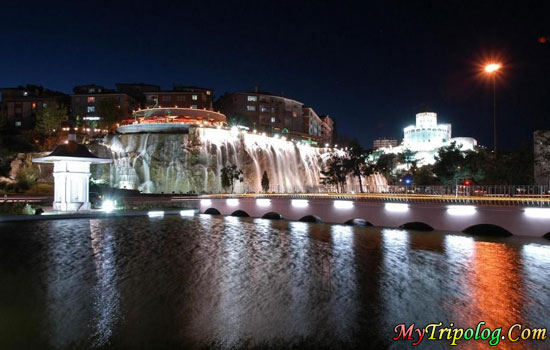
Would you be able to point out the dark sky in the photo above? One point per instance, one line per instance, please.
(371, 67)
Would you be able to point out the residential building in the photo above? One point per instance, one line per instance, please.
(181, 96)
(384, 142)
(137, 91)
(328, 129)
(262, 111)
(87, 98)
(313, 125)
(20, 104)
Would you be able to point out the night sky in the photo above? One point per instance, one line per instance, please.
(370, 67)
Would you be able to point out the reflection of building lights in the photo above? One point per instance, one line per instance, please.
(538, 213)
(187, 213)
(396, 207)
(232, 202)
(537, 251)
(155, 214)
(299, 203)
(461, 210)
(206, 202)
(343, 204)
(263, 202)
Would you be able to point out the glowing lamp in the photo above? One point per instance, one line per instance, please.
(187, 213)
(537, 213)
(206, 202)
(343, 204)
(232, 202)
(397, 207)
(461, 210)
(299, 203)
(492, 67)
(263, 202)
(108, 206)
(155, 214)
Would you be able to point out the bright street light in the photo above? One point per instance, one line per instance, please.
(491, 69)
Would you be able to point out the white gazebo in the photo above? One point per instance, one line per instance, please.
(71, 172)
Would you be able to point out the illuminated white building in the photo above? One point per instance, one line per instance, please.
(427, 137)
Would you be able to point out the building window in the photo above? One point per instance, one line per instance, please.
(33, 105)
(25, 93)
(208, 93)
(194, 106)
(91, 99)
(294, 114)
(91, 90)
(251, 108)
(272, 109)
(273, 119)
(166, 98)
(18, 123)
(252, 98)
(179, 98)
(194, 97)
(91, 109)
(264, 109)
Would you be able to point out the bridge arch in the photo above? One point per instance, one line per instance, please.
(547, 236)
(212, 211)
(488, 230)
(311, 218)
(272, 216)
(416, 226)
(357, 222)
(240, 214)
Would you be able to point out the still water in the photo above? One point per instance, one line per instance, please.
(226, 282)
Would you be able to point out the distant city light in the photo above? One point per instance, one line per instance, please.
(263, 202)
(343, 204)
(538, 213)
(461, 210)
(232, 202)
(396, 207)
(299, 203)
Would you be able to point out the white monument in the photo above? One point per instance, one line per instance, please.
(71, 172)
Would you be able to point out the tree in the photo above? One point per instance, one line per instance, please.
(542, 154)
(49, 118)
(385, 165)
(449, 164)
(265, 182)
(335, 172)
(229, 174)
(109, 111)
(355, 162)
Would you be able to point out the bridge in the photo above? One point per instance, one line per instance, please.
(477, 215)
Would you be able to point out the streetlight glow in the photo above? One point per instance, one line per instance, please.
(492, 67)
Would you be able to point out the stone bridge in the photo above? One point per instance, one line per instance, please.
(521, 220)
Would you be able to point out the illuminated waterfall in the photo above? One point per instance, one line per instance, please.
(191, 163)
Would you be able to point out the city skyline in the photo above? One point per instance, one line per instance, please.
(367, 72)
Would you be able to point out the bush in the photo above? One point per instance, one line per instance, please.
(41, 189)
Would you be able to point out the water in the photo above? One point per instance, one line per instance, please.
(180, 163)
(226, 282)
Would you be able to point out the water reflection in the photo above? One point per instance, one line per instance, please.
(238, 282)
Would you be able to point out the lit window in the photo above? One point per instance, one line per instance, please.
(264, 109)
(194, 106)
(166, 98)
(25, 93)
(91, 109)
(251, 108)
(272, 109)
(17, 123)
(194, 97)
(252, 98)
(91, 99)
(273, 119)
(208, 93)
(33, 105)
(91, 90)
(294, 114)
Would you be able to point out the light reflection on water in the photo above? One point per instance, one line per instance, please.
(239, 282)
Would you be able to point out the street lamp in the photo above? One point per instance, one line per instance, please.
(491, 69)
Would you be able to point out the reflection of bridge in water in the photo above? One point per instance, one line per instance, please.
(523, 216)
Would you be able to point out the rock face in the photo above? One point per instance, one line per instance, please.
(187, 163)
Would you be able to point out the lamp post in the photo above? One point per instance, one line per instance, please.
(491, 69)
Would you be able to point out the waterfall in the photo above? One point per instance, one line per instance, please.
(191, 163)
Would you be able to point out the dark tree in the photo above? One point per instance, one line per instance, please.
(335, 172)
(265, 182)
(109, 111)
(49, 118)
(449, 164)
(355, 162)
(230, 174)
